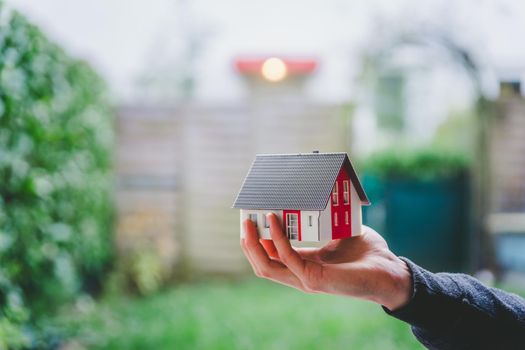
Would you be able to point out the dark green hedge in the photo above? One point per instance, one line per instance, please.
(425, 164)
(55, 185)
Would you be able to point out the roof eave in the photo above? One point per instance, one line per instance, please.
(356, 182)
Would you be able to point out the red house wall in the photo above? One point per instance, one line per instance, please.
(342, 230)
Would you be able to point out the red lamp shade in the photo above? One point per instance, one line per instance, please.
(292, 66)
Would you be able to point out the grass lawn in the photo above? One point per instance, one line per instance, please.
(252, 314)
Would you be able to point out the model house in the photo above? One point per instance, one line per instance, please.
(317, 196)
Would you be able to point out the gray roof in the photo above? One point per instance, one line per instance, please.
(294, 181)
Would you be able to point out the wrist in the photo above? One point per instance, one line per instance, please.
(398, 289)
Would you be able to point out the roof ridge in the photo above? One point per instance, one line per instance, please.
(299, 154)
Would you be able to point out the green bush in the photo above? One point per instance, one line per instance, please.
(424, 164)
(55, 185)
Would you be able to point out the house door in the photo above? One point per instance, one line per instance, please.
(292, 224)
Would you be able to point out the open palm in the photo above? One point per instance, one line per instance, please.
(361, 266)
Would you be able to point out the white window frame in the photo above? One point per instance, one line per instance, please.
(266, 223)
(253, 216)
(336, 221)
(335, 194)
(346, 192)
(347, 218)
(292, 225)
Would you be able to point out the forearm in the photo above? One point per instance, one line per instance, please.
(455, 311)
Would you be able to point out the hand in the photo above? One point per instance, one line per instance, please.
(361, 267)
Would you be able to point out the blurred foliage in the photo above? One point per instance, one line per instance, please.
(424, 164)
(55, 185)
(140, 272)
(147, 272)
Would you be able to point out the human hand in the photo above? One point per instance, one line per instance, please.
(361, 267)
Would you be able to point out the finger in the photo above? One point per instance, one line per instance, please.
(253, 245)
(248, 256)
(265, 266)
(248, 225)
(287, 254)
(309, 272)
(270, 248)
(250, 230)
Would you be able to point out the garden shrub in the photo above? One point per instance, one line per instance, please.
(55, 184)
(424, 164)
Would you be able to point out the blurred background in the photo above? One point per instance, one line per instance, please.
(127, 127)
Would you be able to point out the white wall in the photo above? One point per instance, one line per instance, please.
(264, 233)
(325, 223)
(357, 219)
(310, 233)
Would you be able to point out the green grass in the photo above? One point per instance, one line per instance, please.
(253, 314)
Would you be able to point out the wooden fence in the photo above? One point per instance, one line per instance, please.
(179, 170)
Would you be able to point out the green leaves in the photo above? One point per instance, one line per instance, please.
(421, 164)
(55, 185)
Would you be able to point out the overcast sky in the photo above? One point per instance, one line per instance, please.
(125, 38)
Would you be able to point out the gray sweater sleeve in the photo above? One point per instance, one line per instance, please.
(456, 311)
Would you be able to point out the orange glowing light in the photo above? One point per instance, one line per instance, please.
(274, 69)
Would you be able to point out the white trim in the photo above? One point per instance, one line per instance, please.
(292, 226)
(346, 192)
(335, 194)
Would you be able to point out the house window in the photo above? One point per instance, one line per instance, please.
(335, 220)
(266, 222)
(253, 218)
(347, 218)
(346, 192)
(335, 194)
(292, 225)
(310, 220)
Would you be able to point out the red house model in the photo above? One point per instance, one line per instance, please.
(317, 196)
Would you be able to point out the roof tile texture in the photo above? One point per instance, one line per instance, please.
(293, 181)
